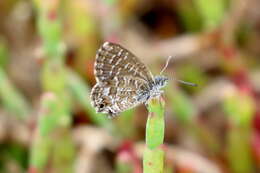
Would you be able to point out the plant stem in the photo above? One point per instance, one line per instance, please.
(153, 158)
(53, 148)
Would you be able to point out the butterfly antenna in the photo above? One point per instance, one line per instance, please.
(166, 65)
(186, 83)
(180, 81)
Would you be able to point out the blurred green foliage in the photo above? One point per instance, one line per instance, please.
(3, 54)
(13, 101)
(15, 153)
(211, 12)
(63, 38)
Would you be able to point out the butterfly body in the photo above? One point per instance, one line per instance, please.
(123, 82)
(154, 89)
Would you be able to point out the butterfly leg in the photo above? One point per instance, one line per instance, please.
(146, 101)
(146, 105)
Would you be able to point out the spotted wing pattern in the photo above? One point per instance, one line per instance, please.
(120, 78)
(112, 99)
(114, 60)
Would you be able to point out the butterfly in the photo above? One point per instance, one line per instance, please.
(123, 81)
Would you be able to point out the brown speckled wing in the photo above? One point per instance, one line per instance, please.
(120, 77)
(117, 95)
(114, 60)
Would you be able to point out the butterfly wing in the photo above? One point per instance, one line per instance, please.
(121, 80)
(114, 60)
(117, 95)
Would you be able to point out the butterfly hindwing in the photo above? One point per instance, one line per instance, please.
(117, 95)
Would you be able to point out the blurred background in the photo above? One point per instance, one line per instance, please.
(47, 52)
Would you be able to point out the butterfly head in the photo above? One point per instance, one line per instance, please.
(161, 81)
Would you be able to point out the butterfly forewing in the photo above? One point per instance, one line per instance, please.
(114, 60)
